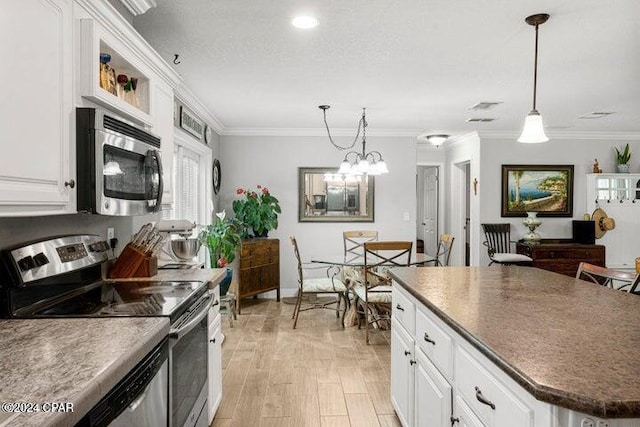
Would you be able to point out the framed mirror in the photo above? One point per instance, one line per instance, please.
(327, 196)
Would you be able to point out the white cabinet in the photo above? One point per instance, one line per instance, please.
(432, 394)
(214, 362)
(402, 376)
(37, 112)
(464, 415)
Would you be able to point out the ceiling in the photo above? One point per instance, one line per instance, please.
(417, 65)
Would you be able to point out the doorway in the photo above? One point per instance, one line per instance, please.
(427, 217)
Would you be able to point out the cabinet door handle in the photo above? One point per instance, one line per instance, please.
(427, 339)
(212, 340)
(412, 362)
(483, 399)
(399, 307)
(454, 420)
(406, 353)
(71, 183)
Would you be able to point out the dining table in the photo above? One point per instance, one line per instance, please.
(357, 262)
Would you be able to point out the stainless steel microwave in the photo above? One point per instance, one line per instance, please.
(118, 165)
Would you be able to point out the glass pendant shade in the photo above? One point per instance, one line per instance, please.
(345, 167)
(533, 131)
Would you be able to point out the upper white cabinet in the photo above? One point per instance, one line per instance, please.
(37, 113)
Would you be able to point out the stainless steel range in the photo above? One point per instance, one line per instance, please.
(61, 277)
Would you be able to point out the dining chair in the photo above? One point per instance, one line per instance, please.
(443, 251)
(330, 285)
(373, 295)
(611, 278)
(498, 242)
(354, 241)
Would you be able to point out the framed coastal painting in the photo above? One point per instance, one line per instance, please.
(545, 189)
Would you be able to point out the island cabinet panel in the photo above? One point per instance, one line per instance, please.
(259, 268)
(562, 256)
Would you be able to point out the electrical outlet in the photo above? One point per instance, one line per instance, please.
(587, 422)
(603, 423)
(110, 233)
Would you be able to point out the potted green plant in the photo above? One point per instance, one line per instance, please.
(257, 210)
(622, 159)
(222, 239)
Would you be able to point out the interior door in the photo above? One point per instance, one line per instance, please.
(430, 209)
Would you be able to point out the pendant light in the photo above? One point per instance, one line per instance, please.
(533, 131)
(358, 163)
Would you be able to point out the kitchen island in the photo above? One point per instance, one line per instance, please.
(74, 361)
(515, 346)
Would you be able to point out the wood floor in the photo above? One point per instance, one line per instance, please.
(316, 375)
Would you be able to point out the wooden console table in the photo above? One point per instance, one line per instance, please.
(561, 255)
(259, 268)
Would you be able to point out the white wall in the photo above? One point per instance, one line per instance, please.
(273, 161)
(578, 152)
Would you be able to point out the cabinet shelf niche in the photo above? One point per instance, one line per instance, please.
(93, 43)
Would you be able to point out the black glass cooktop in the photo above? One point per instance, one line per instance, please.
(127, 298)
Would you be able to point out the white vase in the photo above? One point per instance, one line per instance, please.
(623, 168)
(532, 222)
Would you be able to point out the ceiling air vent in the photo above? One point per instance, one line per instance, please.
(595, 115)
(483, 106)
(479, 119)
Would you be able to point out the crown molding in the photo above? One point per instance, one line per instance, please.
(596, 136)
(316, 132)
(188, 98)
(138, 7)
(107, 15)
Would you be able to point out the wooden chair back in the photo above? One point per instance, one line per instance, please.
(444, 250)
(354, 241)
(497, 238)
(615, 279)
(380, 256)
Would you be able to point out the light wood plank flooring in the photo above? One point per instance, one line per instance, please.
(315, 375)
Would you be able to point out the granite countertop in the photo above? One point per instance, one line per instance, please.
(568, 342)
(70, 360)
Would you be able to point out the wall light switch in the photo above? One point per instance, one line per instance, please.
(406, 216)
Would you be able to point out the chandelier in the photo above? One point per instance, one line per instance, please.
(358, 163)
(533, 131)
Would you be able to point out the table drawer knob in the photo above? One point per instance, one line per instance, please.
(483, 399)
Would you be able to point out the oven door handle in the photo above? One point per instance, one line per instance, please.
(176, 334)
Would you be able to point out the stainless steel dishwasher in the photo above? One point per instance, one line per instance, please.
(141, 398)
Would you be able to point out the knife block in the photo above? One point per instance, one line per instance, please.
(132, 262)
(148, 267)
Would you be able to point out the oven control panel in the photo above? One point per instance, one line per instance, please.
(71, 252)
(64, 254)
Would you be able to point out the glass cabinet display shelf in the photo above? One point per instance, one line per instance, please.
(619, 187)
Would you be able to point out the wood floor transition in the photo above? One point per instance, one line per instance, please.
(316, 375)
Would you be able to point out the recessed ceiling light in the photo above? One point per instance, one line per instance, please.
(304, 22)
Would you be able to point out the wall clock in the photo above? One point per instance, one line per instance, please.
(216, 176)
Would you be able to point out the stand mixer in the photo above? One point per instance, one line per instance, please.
(180, 250)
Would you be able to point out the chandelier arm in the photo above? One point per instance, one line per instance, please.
(339, 147)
